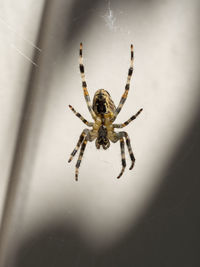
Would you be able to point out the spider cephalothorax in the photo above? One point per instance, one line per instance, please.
(104, 113)
(102, 103)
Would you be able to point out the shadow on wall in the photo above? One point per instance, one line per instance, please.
(167, 234)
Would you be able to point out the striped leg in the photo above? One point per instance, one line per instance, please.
(80, 157)
(123, 158)
(84, 84)
(130, 72)
(128, 143)
(81, 117)
(82, 136)
(118, 136)
(128, 121)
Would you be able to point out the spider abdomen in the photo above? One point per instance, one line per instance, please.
(102, 138)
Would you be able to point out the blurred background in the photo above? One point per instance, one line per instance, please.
(150, 216)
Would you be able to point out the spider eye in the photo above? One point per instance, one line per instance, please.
(100, 96)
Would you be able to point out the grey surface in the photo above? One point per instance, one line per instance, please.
(150, 216)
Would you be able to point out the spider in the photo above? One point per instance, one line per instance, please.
(104, 113)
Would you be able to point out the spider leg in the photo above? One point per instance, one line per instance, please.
(81, 138)
(84, 84)
(128, 143)
(130, 72)
(78, 163)
(121, 125)
(118, 136)
(123, 158)
(90, 124)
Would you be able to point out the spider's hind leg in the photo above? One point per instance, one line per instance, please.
(86, 136)
(81, 138)
(89, 137)
(123, 158)
(128, 143)
(120, 136)
(78, 163)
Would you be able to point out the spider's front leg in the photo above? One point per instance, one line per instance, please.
(125, 94)
(121, 125)
(84, 84)
(90, 124)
